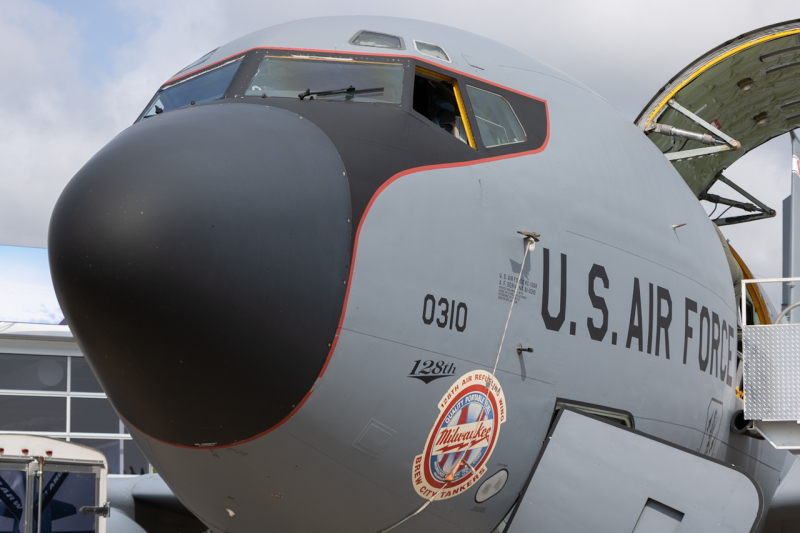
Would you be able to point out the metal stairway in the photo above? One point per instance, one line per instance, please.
(771, 356)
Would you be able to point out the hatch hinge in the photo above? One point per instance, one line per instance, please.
(758, 208)
(720, 141)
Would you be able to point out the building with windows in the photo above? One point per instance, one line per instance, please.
(48, 389)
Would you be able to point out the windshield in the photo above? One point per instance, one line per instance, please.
(203, 88)
(289, 77)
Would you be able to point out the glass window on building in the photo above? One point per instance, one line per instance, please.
(33, 372)
(31, 413)
(93, 415)
(135, 463)
(83, 379)
(59, 397)
(110, 448)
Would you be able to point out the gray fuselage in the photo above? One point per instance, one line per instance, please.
(640, 316)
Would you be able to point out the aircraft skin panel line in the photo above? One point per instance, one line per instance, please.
(296, 303)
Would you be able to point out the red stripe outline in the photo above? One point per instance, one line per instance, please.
(361, 224)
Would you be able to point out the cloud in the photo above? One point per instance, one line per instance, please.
(38, 89)
(55, 115)
(54, 118)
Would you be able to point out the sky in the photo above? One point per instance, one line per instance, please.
(75, 73)
(26, 290)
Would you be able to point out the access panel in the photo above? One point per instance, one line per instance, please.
(597, 476)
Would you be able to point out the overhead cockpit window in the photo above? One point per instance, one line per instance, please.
(432, 50)
(210, 85)
(378, 40)
(497, 122)
(195, 63)
(327, 78)
(437, 98)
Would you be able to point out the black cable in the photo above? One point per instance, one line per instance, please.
(720, 215)
(711, 214)
(671, 147)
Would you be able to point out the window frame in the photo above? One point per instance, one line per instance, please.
(417, 41)
(252, 60)
(462, 107)
(192, 75)
(516, 116)
(359, 32)
(351, 60)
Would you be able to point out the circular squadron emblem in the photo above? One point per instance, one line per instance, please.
(463, 437)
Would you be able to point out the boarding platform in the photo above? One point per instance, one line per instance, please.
(771, 357)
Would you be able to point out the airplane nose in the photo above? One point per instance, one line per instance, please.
(201, 260)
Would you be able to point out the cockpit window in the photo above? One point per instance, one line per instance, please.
(431, 50)
(327, 78)
(437, 98)
(378, 40)
(210, 85)
(497, 122)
